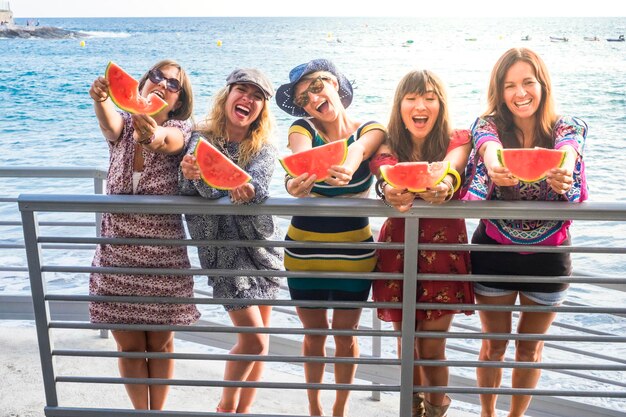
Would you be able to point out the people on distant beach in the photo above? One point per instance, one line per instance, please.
(145, 152)
(419, 130)
(240, 126)
(319, 94)
(521, 114)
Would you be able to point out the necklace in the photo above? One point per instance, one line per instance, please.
(230, 149)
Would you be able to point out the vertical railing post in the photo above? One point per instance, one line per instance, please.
(409, 289)
(40, 306)
(376, 349)
(98, 188)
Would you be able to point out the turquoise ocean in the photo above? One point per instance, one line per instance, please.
(46, 114)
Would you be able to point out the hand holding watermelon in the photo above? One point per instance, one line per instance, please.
(99, 90)
(560, 180)
(301, 185)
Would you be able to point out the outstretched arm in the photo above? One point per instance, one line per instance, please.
(161, 139)
(358, 151)
(110, 121)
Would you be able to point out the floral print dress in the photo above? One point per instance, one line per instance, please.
(429, 261)
(160, 177)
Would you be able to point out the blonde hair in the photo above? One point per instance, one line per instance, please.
(545, 116)
(399, 139)
(213, 128)
(185, 95)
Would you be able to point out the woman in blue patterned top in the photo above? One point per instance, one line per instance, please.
(239, 125)
(521, 114)
(319, 94)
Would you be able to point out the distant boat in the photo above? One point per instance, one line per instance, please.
(558, 39)
(619, 39)
(526, 38)
(471, 39)
(591, 38)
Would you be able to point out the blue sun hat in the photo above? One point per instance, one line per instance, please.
(284, 94)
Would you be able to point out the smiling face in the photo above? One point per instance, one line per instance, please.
(160, 89)
(318, 93)
(521, 91)
(244, 105)
(419, 113)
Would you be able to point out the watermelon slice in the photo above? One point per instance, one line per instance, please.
(316, 160)
(417, 176)
(216, 169)
(530, 164)
(124, 91)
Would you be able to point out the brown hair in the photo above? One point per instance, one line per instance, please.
(399, 139)
(545, 117)
(185, 95)
(259, 133)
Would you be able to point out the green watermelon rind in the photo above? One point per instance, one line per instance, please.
(209, 182)
(446, 164)
(531, 180)
(118, 101)
(291, 173)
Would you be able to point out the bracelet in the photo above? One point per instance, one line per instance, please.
(146, 141)
(380, 188)
(450, 192)
(287, 179)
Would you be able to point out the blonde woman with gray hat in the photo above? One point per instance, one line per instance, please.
(239, 125)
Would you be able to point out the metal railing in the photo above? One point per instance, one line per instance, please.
(30, 205)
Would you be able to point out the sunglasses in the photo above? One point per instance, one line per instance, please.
(172, 84)
(316, 87)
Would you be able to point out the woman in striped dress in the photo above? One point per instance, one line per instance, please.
(320, 93)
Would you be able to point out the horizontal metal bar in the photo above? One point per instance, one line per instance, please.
(317, 359)
(333, 275)
(53, 172)
(69, 224)
(335, 207)
(332, 304)
(331, 245)
(337, 387)
(336, 332)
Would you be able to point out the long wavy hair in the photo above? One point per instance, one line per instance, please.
(259, 133)
(185, 95)
(399, 138)
(545, 116)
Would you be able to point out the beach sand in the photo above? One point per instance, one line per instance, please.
(22, 389)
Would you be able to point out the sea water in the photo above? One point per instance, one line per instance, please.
(46, 114)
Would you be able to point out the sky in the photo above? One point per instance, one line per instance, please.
(375, 8)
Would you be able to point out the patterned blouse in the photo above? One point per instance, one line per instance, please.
(231, 227)
(478, 186)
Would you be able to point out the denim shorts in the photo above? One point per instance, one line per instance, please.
(542, 298)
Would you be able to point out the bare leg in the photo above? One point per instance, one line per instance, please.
(314, 345)
(247, 343)
(434, 349)
(346, 346)
(417, 408)
(248, 395)
(492, 350)
(160, 368)
(132, 341)
(528, 351)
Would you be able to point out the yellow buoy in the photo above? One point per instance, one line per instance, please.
(219, 43)
(82, 44)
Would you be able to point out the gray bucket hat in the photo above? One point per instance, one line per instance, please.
(284, 94)
(251, 76)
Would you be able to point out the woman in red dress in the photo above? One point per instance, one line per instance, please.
(419, 131)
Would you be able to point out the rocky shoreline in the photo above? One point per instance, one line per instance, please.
(44, 32)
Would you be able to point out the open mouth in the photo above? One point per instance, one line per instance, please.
(322, 107)
(524, 103)
(241, 110)
(158, 93)
(420, 121)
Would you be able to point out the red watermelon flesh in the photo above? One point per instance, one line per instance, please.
(316, 161)
(124, 91)
(530, 164)
(415, 176)
(216, 169)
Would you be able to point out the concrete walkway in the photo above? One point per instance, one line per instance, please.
(22, 393)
